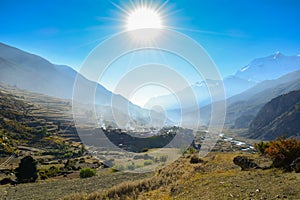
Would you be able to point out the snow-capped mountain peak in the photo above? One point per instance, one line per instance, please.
(277, 55)
(270, 67)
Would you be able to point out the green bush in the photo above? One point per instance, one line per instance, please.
(87, 172)
(190, 150)
(52, 171)
(163, 158)
(131, 167)
(261, 147)
(42, 174)
(145, 157)
(117, 168)
(148, 162)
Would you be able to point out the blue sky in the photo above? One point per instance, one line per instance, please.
(233, 32)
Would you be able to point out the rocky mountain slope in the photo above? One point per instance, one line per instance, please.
(278, 117)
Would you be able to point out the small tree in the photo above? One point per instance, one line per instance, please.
(87, 172)
(27, 170)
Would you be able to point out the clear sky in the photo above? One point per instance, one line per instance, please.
(233, 32)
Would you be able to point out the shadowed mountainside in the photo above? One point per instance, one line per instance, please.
(278, 117)
(242, 108)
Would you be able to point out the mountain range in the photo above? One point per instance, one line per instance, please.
(269, 68)
(247, 91)
(242, 108)
(257, 71)
(36, 74)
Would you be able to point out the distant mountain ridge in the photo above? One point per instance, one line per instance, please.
(242, 108)
(269, 68)
(233, 85)
(259, 70)
(280, 116)
(36, 74)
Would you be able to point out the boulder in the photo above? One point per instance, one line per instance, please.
(296, 165)
(245, 163)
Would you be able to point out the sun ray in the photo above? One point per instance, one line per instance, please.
(162, 6)
(120, 8)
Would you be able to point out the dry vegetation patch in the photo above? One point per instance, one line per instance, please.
(215, 178)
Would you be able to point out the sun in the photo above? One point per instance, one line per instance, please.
(142, 18)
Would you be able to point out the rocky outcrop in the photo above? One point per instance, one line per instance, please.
(296, 165)
(245, 163)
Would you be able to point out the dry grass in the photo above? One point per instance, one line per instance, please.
(218, 178)
(57, 188)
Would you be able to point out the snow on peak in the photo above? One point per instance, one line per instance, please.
(244, 68)
(270, 67)
(277, 54)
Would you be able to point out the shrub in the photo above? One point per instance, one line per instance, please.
(190, 150)
(52, 171)
(87, 172)
(261, 147)
(195, 159)
(163, 158)
(70, 165)
(117, 168)
(43, 175)
(145, 156)
(27, 170)
(131, 167)
(283, 152)
(148, 162)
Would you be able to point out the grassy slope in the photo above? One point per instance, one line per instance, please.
(219, 178)
(56, 188)
(227, 181)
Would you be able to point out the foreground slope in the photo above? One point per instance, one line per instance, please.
(215, 178)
